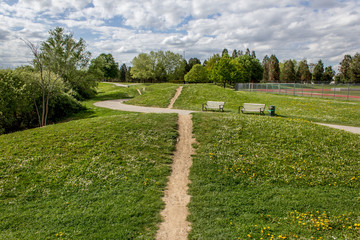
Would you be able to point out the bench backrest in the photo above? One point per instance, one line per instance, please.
(254, 106)
(213, 104)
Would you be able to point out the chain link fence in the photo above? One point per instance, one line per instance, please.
(340, 91)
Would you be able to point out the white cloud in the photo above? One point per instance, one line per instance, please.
(297, 29)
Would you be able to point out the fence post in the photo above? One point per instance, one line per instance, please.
(294, 88)
(322, 90)
(348, 91)
(279, 87)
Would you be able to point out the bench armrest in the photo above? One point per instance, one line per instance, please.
(203, 106)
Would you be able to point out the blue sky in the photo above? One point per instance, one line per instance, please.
(290, 29)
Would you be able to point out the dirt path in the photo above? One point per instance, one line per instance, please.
(177, 94)
(176, 198)
(174, 225)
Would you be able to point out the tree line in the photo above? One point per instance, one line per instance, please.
(62, 73)
(239, 67)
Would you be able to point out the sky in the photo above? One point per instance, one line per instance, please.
(290, 29)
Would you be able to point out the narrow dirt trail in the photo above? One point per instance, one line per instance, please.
(177, 94)
(176, 198)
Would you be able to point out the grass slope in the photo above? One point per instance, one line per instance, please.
(98, 178)
(271, 178)
(312, 109)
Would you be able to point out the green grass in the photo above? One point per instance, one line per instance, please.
(312, 109)
(97, 178)
(259, 176)
(156, 95)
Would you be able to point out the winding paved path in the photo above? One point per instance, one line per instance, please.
(119, 105)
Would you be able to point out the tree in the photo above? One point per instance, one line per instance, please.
(62, 55)
(143, 67)
(355, 68)
(197, 74)
(229, 71)
(328, 74)
(193, 61)
(234, 54)
(304, 72)
(48, 79)
(318, 71)
(210, 66)
(345, 69)
(224, 52)
(253, 68)
(158, 66)
(122, 73)
(274, 69)
(288, 73)
(106, 64)
(266, 67)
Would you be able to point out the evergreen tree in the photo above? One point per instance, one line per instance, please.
(122, 74)
(225, 52)
(328, 74)
(234, 54)
(345, 71)
(274, 69)
(355, 68)
(266, 67)
(304, 72)
(288, 74)
(318, 71)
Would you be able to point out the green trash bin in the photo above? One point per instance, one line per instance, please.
(271, 111)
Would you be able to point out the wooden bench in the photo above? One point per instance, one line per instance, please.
(213, 105)
(252, 107)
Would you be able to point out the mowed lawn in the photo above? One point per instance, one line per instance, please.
(102, 176)
(311, 109)
(96, 178)
(256, 177)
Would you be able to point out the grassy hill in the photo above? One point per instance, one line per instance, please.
(102, 174)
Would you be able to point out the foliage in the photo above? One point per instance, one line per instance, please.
(192, 62)
(288, 73)
(98, 178)
(21, 98)
(274, 69)
(228, 71)
(304, 72)
(253, 68)
(345, 70)
(197, 74)
(158, 67)
(105, 63)
(328, 74)
(62, 55)
(318, 71)
(123, 72)
(273, 178)
(355, 68)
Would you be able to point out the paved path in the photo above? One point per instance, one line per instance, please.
(345, 128)
(122, 85)
(119, 105)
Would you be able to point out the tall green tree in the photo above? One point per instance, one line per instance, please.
(143, 67)
(355, 68)
(304, 72)
(106, 64)
(266, 67)
(68, 58)
(122, 72)
(224, 52)
(197, 74)
(328, 75)
(274, 69)
(318, 71)
(253, 68)
(345, 69)
(288, 72)
(234, 54)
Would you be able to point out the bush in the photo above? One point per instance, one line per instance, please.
(197, 74)
(19, 91)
